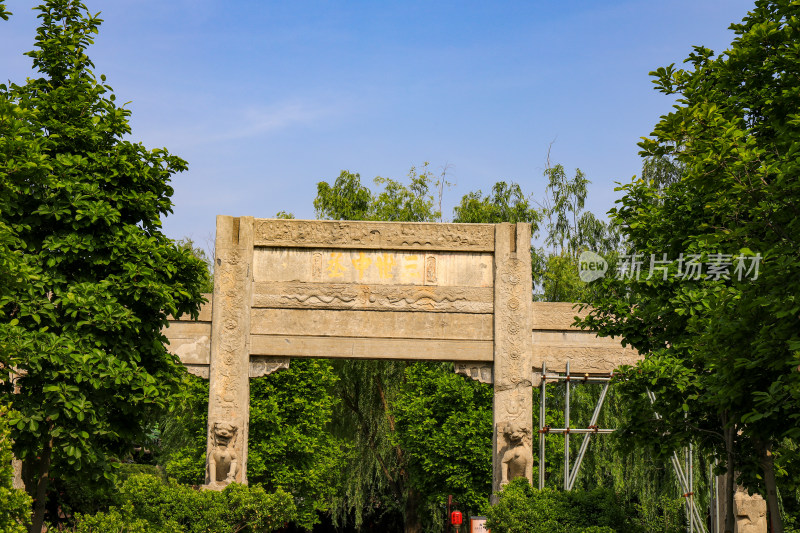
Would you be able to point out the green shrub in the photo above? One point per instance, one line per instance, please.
(523, 509)
(154, 506)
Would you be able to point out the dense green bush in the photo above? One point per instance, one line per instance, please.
(150, 505)
(523, 509)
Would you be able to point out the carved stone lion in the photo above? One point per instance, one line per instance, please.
(223, 464)
(517, 459)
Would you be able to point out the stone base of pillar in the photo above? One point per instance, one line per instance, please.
(16, 482)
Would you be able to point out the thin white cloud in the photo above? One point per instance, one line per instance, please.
(256, 121)
(184, 127)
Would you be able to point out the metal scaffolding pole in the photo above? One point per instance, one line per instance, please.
(686, 484)
(587, 435)
(691, 481)
(542, 424)
(570, 474)
(566, 434)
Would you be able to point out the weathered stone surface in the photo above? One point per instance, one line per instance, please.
(16, 481)
(403, 325)
(190, 340)
(193, 350)
(373, 297)
(229, 387)
(201, 371)
(557, 316)
(365, 348)
(374, 235)
(750, 512)
(263, 366)
(374, 267)
(513, 398)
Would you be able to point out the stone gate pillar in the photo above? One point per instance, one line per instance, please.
(513, 394)
(229, 387)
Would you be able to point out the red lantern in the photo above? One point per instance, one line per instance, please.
(455, 518)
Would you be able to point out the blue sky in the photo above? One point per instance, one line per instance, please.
(264, 99)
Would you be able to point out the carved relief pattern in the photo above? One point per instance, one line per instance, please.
(373, 297)
(557, 316)
(373, 235)
(232, 270)
(512, 341)
(316, 266)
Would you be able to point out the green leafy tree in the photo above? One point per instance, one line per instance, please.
(81, 324)
(570, 230)
(444, 426)
(14, 503)
(522, 508)
(722, 351)
(290, 445)
(207, 275)
(505, 203)
(183, 433)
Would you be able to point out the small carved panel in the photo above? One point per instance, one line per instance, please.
(475, 370)
(374, 235)
(430, 269)
(557, 316)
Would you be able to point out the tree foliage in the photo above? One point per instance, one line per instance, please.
(444, 426)
(94, 279)
(290, 444)
(721, 351)
(14, 503)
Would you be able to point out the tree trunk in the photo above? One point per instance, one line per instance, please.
(768, 466)
(412, 524)
(730, 475)
(42, 482)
